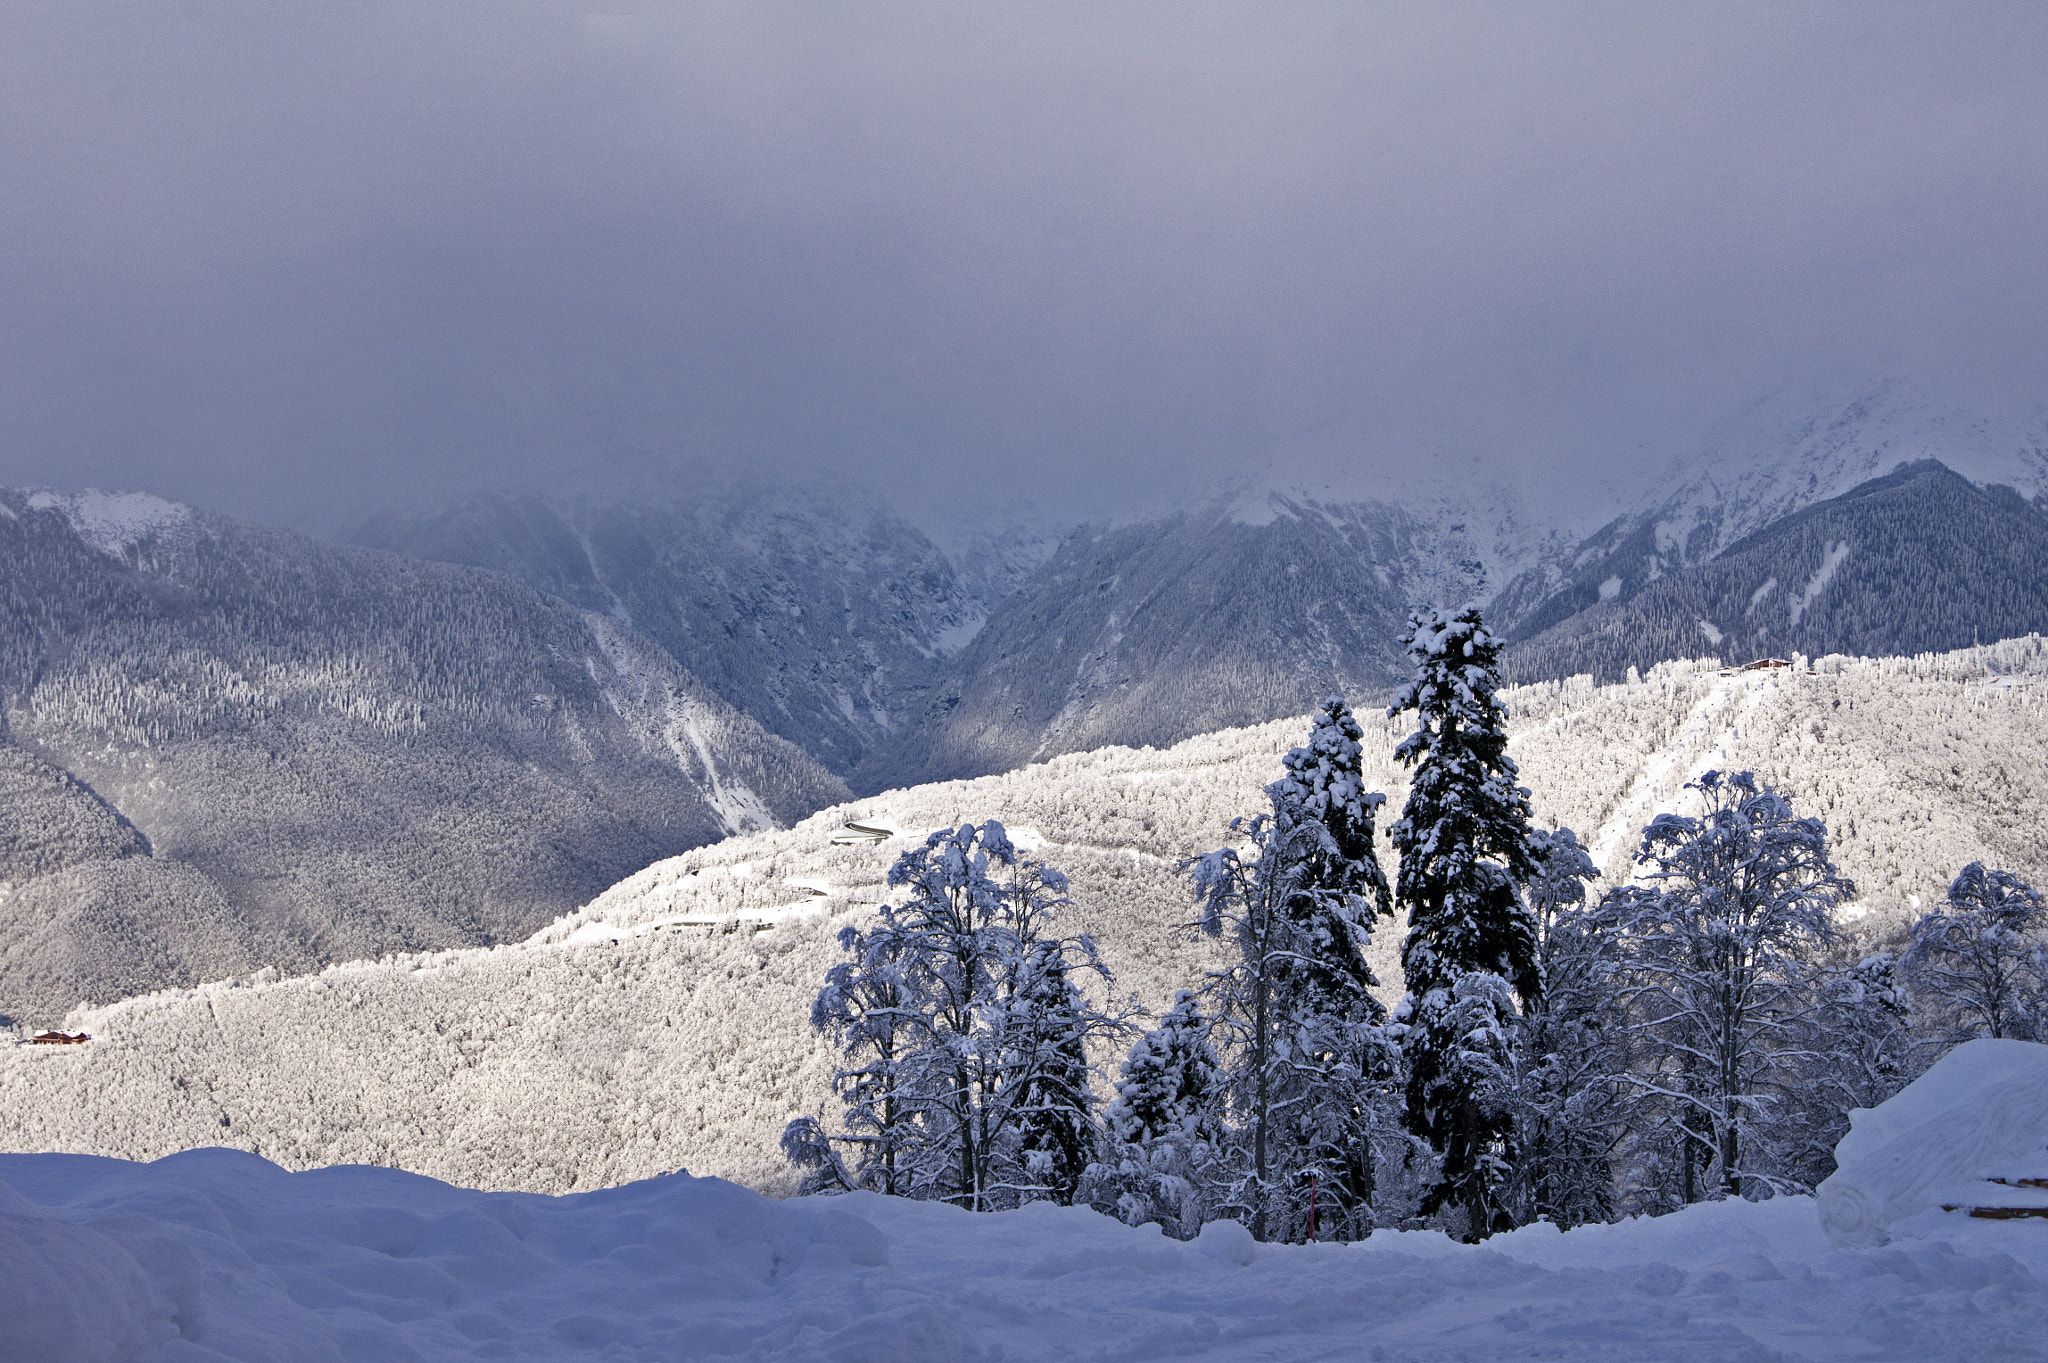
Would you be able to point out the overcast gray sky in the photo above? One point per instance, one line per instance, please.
(291, 261)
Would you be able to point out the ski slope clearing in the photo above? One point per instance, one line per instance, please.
(666, 1025)
(216, 1254)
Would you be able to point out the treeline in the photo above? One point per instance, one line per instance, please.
(1693, 1032)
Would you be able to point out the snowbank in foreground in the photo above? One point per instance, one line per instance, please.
(218, 1254)
(1981, 1110)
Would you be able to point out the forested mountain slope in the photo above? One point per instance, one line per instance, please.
(224, 747)
(1792, 450)
(630, 1039)
(824, 618)
(837, 624)
(1154, 632)
(1916, 561)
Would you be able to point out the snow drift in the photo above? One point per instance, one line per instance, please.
(219, 1255)
(1981, 1110)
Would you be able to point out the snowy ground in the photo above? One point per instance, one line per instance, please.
(218, 1254)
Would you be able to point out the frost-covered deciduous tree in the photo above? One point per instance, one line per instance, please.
(1310, 1067)
(1567, 1101)
(1162, 1130)
(970, 1079)
(1723, 931)
(869, 1005)
(1465, 848)
(1980, 960)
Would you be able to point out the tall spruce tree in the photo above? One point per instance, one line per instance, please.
(1464, 842)
(1310, 1065)
(1341, 888)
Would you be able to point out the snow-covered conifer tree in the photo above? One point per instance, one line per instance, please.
(1161, 1131)
(1723, 935)
(1465, 854)
(1168, 1085)
(1341, 887)
(1045, 1027)
(1980, 960)
(1310, 1065)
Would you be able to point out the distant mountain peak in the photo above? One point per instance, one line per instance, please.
(1803, 445)
(113, 522)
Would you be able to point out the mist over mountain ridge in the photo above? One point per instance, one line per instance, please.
(825, 618)
(838, 624)
(229, 747)
(658, 673)
(1274, 599)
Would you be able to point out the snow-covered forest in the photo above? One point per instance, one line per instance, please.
(224, 747)
(1916, 560)
(667, 1025)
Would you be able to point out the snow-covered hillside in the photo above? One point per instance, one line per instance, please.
(657, 1029)
(225, 748)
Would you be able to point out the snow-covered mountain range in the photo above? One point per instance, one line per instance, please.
(836, 623)
(1789, 452)
(1916, 561)
(819, 612)
(195, 708)
(225, 748)
(1293, 586)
